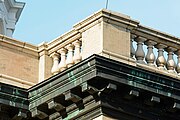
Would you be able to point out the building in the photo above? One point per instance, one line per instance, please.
(10, 11)
(94, 71)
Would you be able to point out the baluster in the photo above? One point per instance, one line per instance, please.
(139, 54)
(160, 61)
(55, 68)
(62, 65)
(178, 62)
(150, 57)
(69, 60)
(77, 52)
(170, 61)
(132, 47)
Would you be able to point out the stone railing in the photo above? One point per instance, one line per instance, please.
(106, 33)
(161, 51)
(66, 56)
(116, 36)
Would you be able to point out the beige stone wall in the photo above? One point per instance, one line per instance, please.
(18, 65)
(92, 41)
(106, 39)
(103, 33)
(116, 39)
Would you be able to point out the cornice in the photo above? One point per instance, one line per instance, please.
(16, 5)
(23, 82)
(114, 18)
(15, 100)
(18, 45)
(65, 39)
(98, 75)
(109, 17)
(102, 15)
(157, 36)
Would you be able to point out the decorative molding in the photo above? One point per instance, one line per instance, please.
(98, 76)
(18, 45)
(16, 80)
(10, 13)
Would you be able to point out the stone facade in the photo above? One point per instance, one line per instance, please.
(18, 63)
(113, 39)
(10, 11)
(65, 80)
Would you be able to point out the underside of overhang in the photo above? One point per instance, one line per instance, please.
(100, 86)
(94, 87)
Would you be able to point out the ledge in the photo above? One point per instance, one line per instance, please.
(17, 5)
(110, 15)
(15, 81)
(157, 36)
(18, 45)
(96, 62)
(13, 96)
(103, 69)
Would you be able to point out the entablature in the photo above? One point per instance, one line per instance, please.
(14, 102)
(106, 83)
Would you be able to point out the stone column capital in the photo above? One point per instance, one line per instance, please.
(69, 47)
(76, 43)
(171, 49)
(54, 55)
(150, 42)
(62, 50)
(140, 39)
(161, 46)
(133, 36)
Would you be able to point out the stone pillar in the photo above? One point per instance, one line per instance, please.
(150, 57)
(170, 65)
(160, 61)
(106, 40)
(69, 60)
(77, 53)
(45, 63)
(62, 65)
(55, 57)
(139, 54)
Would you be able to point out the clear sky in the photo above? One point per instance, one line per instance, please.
(44, 20)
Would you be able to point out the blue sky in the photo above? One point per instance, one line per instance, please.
(44, 20)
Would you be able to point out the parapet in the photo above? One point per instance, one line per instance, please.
(112, 35)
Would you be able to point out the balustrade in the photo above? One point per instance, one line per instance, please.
(162, 62)
(66, 56)
(70, 54)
